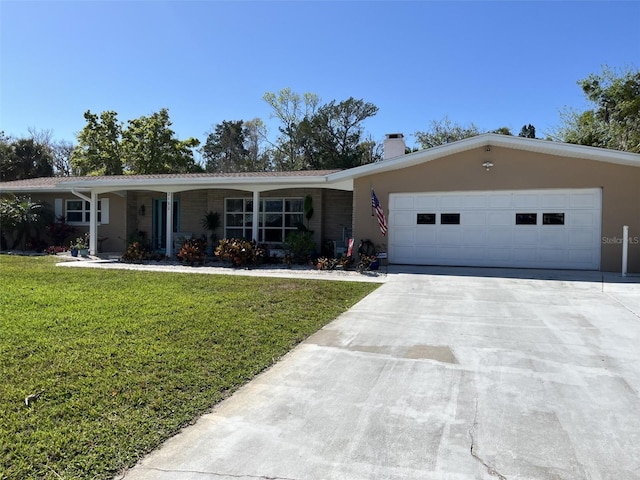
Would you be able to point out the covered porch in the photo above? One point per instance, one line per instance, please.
(167, 208)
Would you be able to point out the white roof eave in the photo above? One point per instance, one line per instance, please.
(178, 184)
(487, 140)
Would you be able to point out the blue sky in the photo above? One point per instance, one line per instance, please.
(504, 63)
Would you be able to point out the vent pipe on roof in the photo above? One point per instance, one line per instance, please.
(393, 145)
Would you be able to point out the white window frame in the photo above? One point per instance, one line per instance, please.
(103, 208)
(247, 216)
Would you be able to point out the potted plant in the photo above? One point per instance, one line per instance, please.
(80, 246)
(211, 222)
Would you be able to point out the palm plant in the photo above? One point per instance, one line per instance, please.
(23, 217)
(211, 222)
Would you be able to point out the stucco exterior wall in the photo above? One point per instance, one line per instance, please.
(114, 233)
(515, 170)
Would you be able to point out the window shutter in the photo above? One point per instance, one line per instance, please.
(57, 207)
(104, 214)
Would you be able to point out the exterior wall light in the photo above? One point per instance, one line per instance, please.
(487, 165)
(142, 210)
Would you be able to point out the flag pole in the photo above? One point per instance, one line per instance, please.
(370, 198)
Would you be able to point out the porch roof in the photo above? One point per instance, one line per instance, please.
(254, 181)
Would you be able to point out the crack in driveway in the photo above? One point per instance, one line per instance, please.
(490, 470)
(215, 474)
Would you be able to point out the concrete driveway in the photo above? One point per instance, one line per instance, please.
(440, 374)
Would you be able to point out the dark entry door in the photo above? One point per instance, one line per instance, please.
(160, 222)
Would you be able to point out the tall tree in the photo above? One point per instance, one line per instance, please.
(372, 151)
(224, 150)
(443, 132)
(290, 108)
(614, 120)
(335, 134)
(24, 158)
(98, 151)
(502, 131)
(528, 131)
(62, 152)
(258, 158)
(318, 137)
(149, 146)
(6, 158)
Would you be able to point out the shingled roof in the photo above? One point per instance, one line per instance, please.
(57, 183)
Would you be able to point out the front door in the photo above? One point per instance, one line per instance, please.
(160, 222)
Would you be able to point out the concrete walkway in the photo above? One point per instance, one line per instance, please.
(440, 374)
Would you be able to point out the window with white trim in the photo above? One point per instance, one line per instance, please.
(277, 217)
(79, 211)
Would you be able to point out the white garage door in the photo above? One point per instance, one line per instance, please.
(522, 228)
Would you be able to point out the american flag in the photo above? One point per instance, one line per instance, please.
(379, 213)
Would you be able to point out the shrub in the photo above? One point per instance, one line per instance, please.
(365, 262)
(326, 263)
(346, 262)
(136, 252)
(53, 249)
(241, 252)
(238, 251)
(193, 251)
(300, 245)
(59, 230)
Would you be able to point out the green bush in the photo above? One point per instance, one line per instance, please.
(136, 252)
(300, 245)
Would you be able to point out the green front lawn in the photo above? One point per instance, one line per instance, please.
(122, 359)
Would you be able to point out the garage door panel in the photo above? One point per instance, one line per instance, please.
(499, 256)
(525, 256)
(526, 236)
(522, 200)
(403, 254)
(551, 256)
(472, 253)
(426, 236)
(474, 218)
(581, 219)
(500, 200)
(581, 237)
(500, 237)
(504, 218)
(585, 200)
(450, 253)
(472, 202)
(450, 235)
(488, 234)
(554, 238)
(404, 236)
(580, 256)
(426, 202)
(402, 202)
(449, 202)
(553, 200)
(474, 236)
(403, 219)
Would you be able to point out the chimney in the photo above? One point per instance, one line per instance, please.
(393, 145)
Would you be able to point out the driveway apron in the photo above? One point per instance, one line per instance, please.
(439, 374)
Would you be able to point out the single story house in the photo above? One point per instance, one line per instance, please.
(490, 200)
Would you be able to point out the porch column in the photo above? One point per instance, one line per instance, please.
(93, 224)
(169, 233)
(256, 213)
